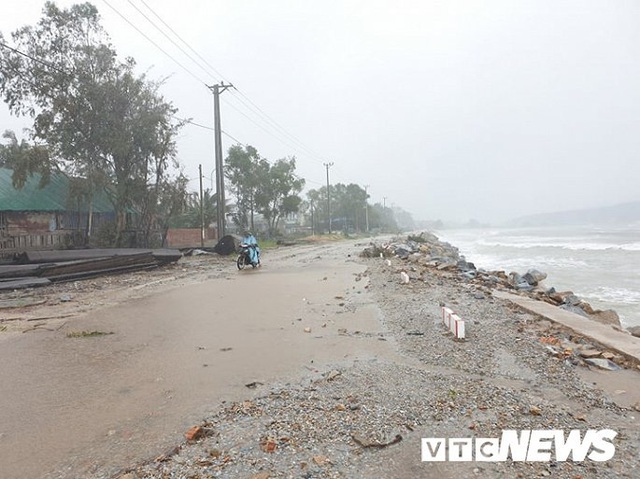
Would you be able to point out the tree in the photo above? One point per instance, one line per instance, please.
(242, 169)
(191, 217)
(382, 218)
(98, 119)
(348, 204)
(260, 187)
(25, 159)
(277, 195)
(170, 202)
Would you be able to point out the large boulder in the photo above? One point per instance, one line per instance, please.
(574, 309)
(533, 277)
(518, 282)
(608, 316)
(635, 331)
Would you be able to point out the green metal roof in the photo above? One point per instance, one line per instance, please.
(53, 197)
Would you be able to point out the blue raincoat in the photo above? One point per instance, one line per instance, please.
(254, 250)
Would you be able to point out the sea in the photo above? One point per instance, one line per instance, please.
(600, 264)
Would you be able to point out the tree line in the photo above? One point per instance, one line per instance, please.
(111, 131)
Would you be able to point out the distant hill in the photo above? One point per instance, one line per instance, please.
(618, 214)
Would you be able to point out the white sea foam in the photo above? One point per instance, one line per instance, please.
(531, 243)
(600, 265)
(614, 295)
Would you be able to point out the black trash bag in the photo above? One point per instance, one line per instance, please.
(227, 245)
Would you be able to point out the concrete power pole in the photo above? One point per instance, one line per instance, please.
(201, 210)
(217, 134)
(366, 208)
(327, 166)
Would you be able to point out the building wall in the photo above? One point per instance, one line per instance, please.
(190, 237)
(20, 223)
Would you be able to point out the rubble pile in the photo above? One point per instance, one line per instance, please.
(425, 251)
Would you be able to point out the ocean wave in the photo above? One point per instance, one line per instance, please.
(614, 295)
(522, 264)
(560, 245)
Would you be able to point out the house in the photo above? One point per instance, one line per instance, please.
(46, 218)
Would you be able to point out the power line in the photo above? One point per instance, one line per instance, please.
(245, 100)
(154, 43)
(205, 127)
(289, 139)
(42, 62)
(167, 36)
(183, 41)
(279, 127)
(37, 60)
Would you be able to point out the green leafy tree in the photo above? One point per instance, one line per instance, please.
(243, 170)
(350, 201)
(98, 119)
(191, 217)
(348, 204)
(277, 193)
(25, 159)
(383, 218)
(170, 202)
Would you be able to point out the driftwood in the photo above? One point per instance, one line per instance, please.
(378, 445)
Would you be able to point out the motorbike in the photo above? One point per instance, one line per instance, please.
(244, 257)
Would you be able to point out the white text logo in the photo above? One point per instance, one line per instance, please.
(527, 445)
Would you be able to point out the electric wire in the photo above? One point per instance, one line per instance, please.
(154, 43)
(169, 38)
(244, 99)
(37, 60)
(185, 43)
(199, 125)
(263, 114)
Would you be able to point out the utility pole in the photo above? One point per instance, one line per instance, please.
(217, 134)
(327, 166)
(366, 208)
(313, 220)
(201, 209)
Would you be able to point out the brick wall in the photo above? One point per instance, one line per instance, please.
(190, 237)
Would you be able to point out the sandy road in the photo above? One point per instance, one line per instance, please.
(89, 406)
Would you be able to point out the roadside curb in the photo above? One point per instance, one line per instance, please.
(604, 334)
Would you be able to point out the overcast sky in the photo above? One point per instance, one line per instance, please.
(449, 109)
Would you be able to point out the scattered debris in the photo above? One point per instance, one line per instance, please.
(87, 334)
(361, 441)
(268, 445)
(603, 364)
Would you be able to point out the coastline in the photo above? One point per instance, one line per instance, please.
(595, 261)
(366, 419)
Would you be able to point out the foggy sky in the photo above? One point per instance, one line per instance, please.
(449, 109)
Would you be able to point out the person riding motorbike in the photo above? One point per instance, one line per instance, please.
(254, 249)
